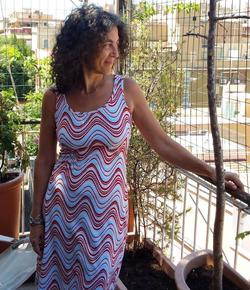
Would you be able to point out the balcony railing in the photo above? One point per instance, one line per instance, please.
(196, 212)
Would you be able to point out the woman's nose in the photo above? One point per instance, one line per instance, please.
(115, 52)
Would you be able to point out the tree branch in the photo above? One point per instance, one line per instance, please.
(231, 17)
(195, 34)
(218, 153)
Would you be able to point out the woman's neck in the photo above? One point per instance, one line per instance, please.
(92, 81)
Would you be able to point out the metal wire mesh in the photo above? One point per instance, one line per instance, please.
(182, 29)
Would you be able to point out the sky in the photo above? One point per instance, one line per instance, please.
(60, 8)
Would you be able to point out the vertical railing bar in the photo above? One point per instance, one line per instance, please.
(155, 205)
(237, 240)
(149, 216)
(208, 218)
(146, 219)
(154, 217)
(22, 209)
(184, 218)
(164, 214)
(163, 222)
(173, 222)
(22, 189)
(211, 230)
(196, 215)
(172, 232)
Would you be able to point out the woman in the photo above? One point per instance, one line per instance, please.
(79, 212)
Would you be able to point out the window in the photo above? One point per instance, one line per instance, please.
(45, 43)
(233, 54)
(219, 52)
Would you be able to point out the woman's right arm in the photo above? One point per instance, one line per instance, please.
(44, 163)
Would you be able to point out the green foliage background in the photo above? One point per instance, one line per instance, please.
(22, 100)
(32, 106)
(16, 56)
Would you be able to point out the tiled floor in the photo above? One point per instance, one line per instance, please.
(29, 284)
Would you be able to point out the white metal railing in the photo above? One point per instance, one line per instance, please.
(27, 187)
(26, 200)
(196, 211)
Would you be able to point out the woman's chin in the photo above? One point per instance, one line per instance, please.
(108, 71)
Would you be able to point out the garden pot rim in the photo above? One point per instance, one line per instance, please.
(13, 182)
(204, 257)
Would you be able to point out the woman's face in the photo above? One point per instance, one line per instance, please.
(108, 54)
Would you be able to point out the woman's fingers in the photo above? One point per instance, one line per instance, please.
(233, 181)
(37, 246)
(37, 239)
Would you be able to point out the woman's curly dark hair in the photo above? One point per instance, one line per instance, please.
(79, 42)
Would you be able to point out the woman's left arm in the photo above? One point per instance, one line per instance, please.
(166, 147)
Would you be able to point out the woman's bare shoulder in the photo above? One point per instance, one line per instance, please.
(49, 99)
(130, 84)
(51, 93)
(131, 91)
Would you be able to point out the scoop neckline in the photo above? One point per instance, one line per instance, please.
(98, 108)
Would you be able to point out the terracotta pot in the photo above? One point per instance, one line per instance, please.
(202, 258)
(131, 218)
(131, 221)
(10, 204)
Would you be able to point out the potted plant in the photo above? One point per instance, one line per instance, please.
(12, 156)
(152, 69)
(205, 260)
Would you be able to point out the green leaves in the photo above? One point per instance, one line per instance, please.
(242, 235)
(15, 55)
(152, 67)
(33, 104)
(181, 6)
(9, 126)
(143, 11)
(18, 57)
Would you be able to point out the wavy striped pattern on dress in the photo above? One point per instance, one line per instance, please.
(86, 202)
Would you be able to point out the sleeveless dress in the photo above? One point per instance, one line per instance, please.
(86, 203)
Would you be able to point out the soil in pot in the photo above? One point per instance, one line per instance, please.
(8, 176)
(140, 271)
(200, 278)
